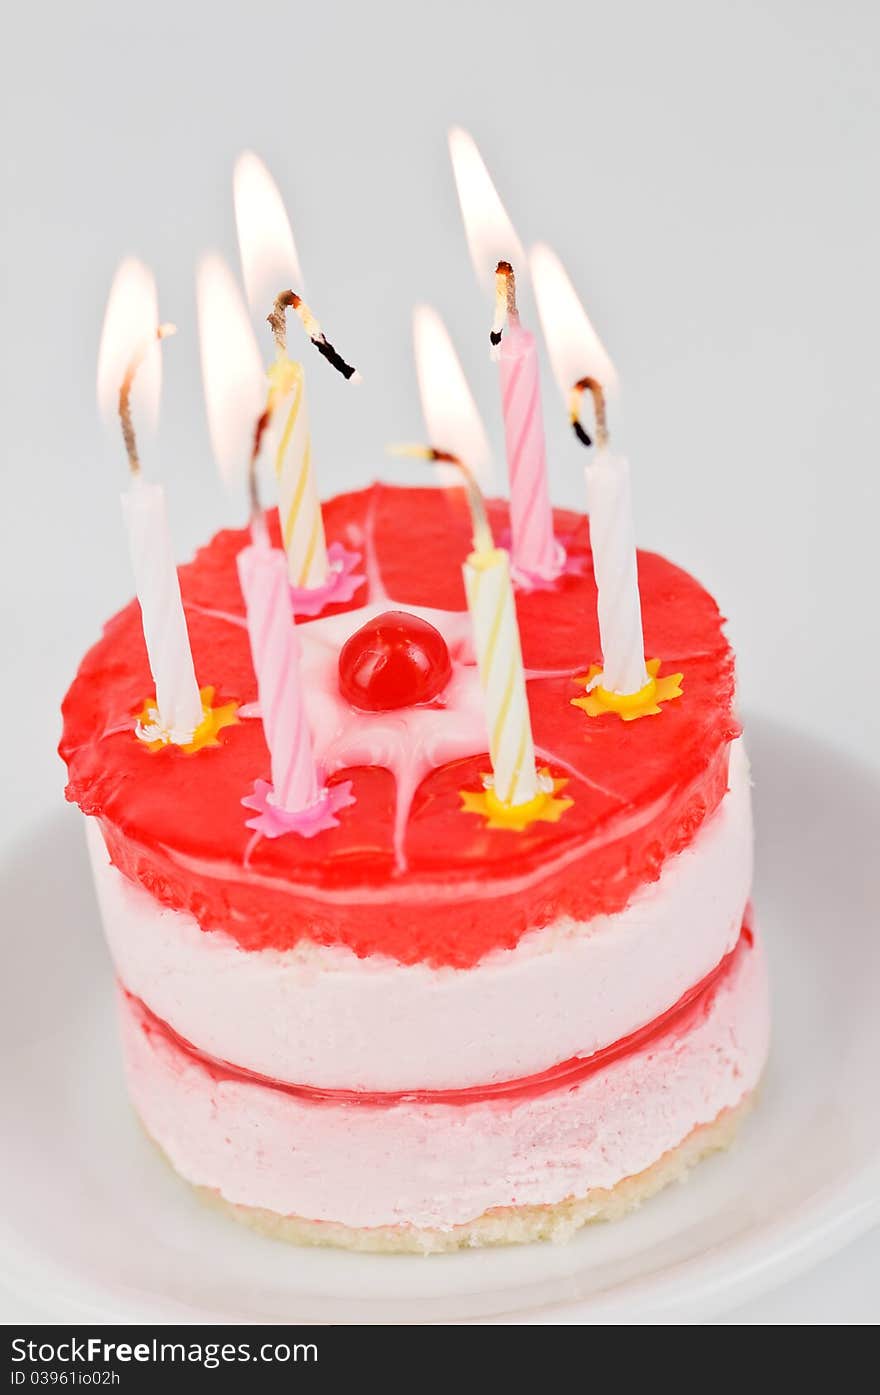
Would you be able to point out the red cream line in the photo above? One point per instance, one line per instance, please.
(693, 1003)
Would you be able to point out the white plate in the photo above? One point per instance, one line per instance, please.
(98, 1227)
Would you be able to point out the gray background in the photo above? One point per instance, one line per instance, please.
(707, 172)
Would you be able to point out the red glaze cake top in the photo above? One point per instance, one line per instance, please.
(407, 873)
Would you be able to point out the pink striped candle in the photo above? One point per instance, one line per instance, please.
(535, 552)
(262, 571)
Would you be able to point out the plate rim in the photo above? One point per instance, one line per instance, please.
(695, 1288)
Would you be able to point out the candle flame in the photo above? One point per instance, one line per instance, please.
(491, 236)
(232, 371)
(576, 351)
(130, 329)
(126, 420)
(265, 240)
(483, 540)
(450, 413)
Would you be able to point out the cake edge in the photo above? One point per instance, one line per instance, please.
(507, 1225)
(163, 958)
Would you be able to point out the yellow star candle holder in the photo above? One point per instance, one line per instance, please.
(546, 807)
(628, 706)
(149, 729)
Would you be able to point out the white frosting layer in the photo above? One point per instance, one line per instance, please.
(317, 1015)
(442, 1165)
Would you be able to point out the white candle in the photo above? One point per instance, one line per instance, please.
(612, 538)
(127, 352)
(178, 704)
(581, 365)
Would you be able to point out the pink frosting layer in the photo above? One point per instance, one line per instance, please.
(318, 1015)
(441, 1165)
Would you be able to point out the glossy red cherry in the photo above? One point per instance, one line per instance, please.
(395, 660)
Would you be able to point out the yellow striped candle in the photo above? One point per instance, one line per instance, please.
(299, 508)
(499, 656)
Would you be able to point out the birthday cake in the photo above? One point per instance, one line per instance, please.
(428, 1025)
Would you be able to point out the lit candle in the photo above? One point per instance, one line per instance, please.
(494, 246)
(128, 341)
(490, 600)
(299, 508)
(269, 259)
(296, 800)
(452, 417)
(581, 364)
(613, 544)
(489, 590)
